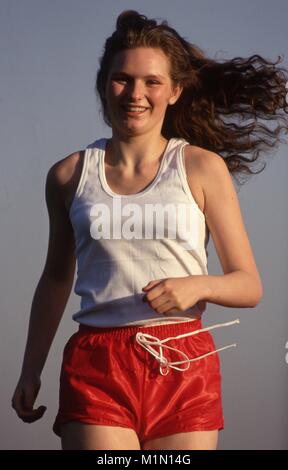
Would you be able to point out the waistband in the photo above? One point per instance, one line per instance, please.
(145, 338)
(162, 329)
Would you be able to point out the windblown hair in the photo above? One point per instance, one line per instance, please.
(214, 93)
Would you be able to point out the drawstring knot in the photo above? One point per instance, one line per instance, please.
(147, 341)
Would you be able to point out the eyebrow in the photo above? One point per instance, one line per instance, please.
(127, 75)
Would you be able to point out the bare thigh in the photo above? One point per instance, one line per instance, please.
(196, 440)
(80, 436)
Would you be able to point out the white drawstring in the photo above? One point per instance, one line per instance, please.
(142, 339)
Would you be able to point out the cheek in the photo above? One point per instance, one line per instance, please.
(114, 90)
(160, 98)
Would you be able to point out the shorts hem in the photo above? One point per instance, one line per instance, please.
(86, 420)
(185, 429)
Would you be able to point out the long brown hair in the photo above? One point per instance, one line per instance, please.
(214, 92)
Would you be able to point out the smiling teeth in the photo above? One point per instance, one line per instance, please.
(136, 110)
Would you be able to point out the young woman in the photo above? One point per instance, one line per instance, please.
(136, 211)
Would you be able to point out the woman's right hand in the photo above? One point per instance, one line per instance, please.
(24, 397)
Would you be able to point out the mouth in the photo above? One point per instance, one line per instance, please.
(134, 110)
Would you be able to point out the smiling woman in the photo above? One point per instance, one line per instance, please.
(132, 94)
(171, 146)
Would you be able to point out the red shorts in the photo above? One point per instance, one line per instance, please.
(108, 378)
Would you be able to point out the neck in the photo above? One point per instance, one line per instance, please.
(134, 152)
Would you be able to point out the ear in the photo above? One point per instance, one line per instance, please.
(175, 94)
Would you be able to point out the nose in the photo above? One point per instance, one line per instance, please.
(136, 90)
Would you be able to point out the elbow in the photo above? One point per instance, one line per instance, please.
(259, 293)
(255, 302)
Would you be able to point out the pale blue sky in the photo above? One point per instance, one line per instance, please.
(49, 55)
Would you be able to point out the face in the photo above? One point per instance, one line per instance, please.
(139, 77)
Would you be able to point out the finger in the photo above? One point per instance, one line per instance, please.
(151, 284)
(165, 308)
(172, 311)
(32, 415)
(28, 400)
(157, 292)
(160, 301)
(16, 402)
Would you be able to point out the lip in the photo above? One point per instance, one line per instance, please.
(133, 113)
(134, 105)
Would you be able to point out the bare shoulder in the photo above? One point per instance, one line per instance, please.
(203, 167)
(60, 260)
(64, 175)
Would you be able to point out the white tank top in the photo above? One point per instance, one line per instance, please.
(124, 241)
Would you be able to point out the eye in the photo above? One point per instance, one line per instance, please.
(125, 80)
(119, 79)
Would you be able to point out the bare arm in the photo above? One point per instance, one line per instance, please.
(241, 285)
(50, 297)
(48, 305)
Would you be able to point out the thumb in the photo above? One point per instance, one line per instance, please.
(41, 410)
(151, 284)
(29, 399)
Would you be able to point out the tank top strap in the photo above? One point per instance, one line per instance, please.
(92, 159)
(172, 155)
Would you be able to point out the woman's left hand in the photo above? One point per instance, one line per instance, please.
(174, 294)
